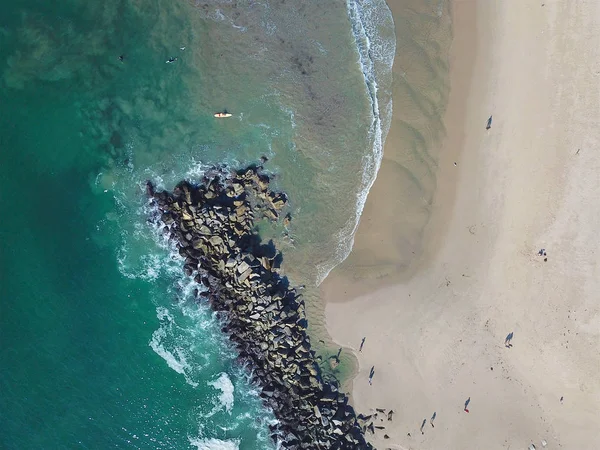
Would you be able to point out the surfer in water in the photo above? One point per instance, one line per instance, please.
(171, 60)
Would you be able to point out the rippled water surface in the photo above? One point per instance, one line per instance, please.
(100, 345)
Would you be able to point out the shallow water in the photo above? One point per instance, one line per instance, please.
(100, 344)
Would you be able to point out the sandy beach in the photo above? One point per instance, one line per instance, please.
(436, 321)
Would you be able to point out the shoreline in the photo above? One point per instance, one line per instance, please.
(340, 287)
(436, 336)
(381, 256)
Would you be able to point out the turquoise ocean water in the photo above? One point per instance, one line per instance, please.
(100, 344)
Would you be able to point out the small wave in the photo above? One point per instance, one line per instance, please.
(176, 359)
(269, 27)
(219, 16)
(214, 444)
(369, 18)
(290, 112)
(175, 364)
(150, 270)
(224, 384)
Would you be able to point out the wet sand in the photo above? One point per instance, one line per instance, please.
(435, 321)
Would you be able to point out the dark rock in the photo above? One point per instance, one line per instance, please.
(213, 226)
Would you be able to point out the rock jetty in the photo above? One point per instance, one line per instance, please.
(213, 226)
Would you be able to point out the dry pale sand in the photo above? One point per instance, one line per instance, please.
(532, 181)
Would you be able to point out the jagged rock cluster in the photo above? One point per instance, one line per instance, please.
(368, 422)
(213, 227)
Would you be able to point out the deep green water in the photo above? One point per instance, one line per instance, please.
(100, 346)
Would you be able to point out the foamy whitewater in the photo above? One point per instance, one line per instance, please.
(214, 444)
(224, 384)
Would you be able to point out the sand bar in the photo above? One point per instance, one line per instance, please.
(530, 182)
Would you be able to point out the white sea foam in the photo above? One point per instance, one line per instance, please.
(220, 16)
(214, 444)
(224, 384)
(369, 18)
(176, 357)
(196, 170)
(150, 270)
(155, 343)
(157, 179)
(292, 116)
(180, 339)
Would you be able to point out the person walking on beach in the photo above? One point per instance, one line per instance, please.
(371, 373)
(489, 123)
(361, 344)
(422, 425)
(467, 404)
(509, 337)
(432, 419)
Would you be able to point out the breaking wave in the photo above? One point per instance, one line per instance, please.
(214, 444)
(224, 384)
